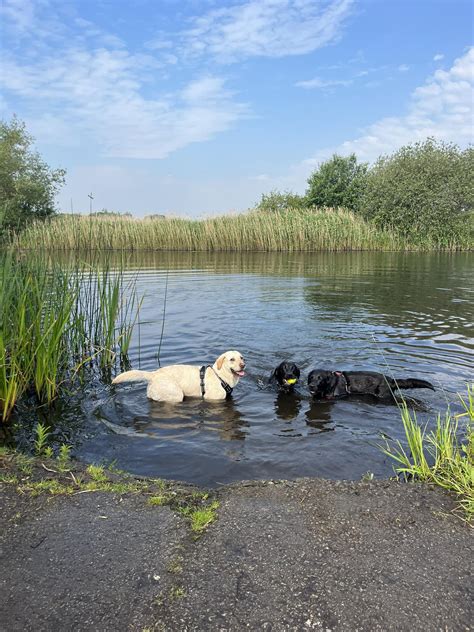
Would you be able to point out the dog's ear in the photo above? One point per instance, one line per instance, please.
(220, 361)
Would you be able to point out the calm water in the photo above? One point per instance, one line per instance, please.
(405, 314)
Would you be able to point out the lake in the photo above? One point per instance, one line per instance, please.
(404, 314)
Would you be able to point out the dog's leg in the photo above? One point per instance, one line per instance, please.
(163, 389)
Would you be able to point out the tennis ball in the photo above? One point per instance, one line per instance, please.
(291, 381)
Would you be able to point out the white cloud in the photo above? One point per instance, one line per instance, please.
(403, 68)
(322, 83)
(266, 28)
(442, 108)
(116, 101)
(438, 57)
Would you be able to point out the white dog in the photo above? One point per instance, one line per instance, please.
(173, 383)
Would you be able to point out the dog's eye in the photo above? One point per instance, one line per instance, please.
(232, 359)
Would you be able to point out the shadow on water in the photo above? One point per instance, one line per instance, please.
(405, 314)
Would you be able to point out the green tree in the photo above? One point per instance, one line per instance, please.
(280, 201)
(423, 189)
(27, 184)
(339, 181)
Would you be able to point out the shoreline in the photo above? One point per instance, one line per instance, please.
(278, 555)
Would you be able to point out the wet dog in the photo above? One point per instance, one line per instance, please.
(332, 384)
(285, 376)
(173, 383)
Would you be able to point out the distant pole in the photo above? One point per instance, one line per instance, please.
(91, 197)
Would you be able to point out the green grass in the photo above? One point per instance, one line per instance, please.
(289, 230)
(443, 456)
(57, 323)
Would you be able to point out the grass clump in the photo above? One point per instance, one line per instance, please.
(439, 456)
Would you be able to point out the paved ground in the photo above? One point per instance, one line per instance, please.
(306, 555)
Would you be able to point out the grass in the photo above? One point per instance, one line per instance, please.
(439, 456)
(57, 323)
(36, 476)
(289, 230)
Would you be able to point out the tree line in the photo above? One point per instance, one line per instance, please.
(423, 189)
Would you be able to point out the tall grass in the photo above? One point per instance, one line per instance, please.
(55, 323)
(439, 456)
(290, 230)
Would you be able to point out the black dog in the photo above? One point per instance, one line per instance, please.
(285, 376)
(331, 384)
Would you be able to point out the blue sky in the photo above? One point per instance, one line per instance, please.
(194, 107)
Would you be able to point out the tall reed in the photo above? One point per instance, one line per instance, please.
(57, 322)
(291, 230)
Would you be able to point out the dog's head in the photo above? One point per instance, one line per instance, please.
(286, 375)
(322, 383)
(230, 364)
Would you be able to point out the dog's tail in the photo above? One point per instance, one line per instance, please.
(413, 383)
(133, 376)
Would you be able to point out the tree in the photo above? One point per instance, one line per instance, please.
(423, 189)
(339, 181)
(27, 184)
(280, 201)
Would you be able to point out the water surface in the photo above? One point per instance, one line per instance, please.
(402, 314)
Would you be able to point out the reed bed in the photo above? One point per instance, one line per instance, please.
(56, 324)
(292, 230)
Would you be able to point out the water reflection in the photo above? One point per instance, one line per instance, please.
(287, 405)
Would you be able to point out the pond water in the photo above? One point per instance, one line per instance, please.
(401, 314)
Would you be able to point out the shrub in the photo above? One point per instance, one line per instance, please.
(424, 189)
(338, 182)
(276, 201)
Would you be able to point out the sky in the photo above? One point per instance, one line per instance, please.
(198, 107)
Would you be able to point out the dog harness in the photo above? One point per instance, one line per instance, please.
(342, 378)
(202, 372)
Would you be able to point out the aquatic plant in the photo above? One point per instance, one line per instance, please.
(443, 456)
(292, 229)
(56, 323)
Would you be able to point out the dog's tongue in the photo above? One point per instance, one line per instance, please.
(240, 373)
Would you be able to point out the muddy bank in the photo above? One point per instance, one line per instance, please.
(311, 554)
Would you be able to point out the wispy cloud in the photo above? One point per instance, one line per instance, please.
(442, 108)
(438, 57)
(403, 68)
(266, 28)
(322, 83)
(86, 84)
(97, 96)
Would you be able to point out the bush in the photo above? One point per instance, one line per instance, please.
(338, 182)
(27, 184)
(424, 189)
(276, 201)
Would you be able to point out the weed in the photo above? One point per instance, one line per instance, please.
(8, 478)
(177, 592)
(202, 518)
(97, 473)
(437, 456)
(42, 433)
(64, 457)
(157, 501)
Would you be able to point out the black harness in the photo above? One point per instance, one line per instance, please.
(202, 372)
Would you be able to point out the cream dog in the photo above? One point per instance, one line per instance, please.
(173, 383)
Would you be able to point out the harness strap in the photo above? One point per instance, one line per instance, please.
(345, 384)
(202, 372)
